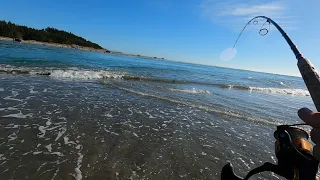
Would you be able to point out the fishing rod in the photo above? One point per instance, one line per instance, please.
(292, 148)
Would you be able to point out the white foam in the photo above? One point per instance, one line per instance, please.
(49, 147)
(183, 175)
(111, 132)
(274, 159)
(66, 141)
(57, 153)
(60, 133)
(131, 112)
(8, 108)
(301, 92)
(19, 115)
(78, 146)
(62, 118)
(13, 99)
(43, 164)
(191, 91)
(136, 135)
(42, 130)
(12, 137)
(52, 128)
(2, 157)
(32, 90)
(1, 89)
(11, 126)
(48, 123)
(26, 153)
(15, 93)
(243, 162)
(150, 116)
(37, 152)
(206, 145)
(55, 174)
(78, 173)
(108, 115)
(85, 74)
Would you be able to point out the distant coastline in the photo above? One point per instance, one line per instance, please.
(53, 37)
(58, 45)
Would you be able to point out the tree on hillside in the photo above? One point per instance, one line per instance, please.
(48, 34)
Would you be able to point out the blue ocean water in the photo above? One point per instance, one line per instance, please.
(99, 115)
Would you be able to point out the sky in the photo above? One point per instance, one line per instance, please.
(193, 31)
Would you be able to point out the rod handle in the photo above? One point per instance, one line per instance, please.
(311, 78)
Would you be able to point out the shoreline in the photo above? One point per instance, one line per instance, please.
(73, 46)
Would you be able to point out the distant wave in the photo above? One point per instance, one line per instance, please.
(301, 92)
(152, 79)
(191, 91)
(92, 74)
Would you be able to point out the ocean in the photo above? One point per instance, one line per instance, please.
(71, 114)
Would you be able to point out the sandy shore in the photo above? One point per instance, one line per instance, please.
(79, 47)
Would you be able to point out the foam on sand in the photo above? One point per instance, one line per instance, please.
(19, 115)
(78, 173)
(12, 136)
(60, 133)
(66, 140)
(49, 147)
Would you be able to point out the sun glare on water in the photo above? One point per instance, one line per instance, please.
(228, 54)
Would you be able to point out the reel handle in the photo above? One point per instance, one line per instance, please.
(293, 151)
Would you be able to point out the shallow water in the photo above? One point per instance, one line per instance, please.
(68, 114)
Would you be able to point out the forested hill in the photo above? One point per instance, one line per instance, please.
(51, 35)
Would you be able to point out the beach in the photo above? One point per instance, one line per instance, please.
(72, 114)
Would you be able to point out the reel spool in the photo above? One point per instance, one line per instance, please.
(294, 154)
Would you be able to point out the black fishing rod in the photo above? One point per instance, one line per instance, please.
(292, 148)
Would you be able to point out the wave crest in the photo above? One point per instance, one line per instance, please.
(85, 74)
(71, 73)
(289, 91)
(191, 91)
(90, 74)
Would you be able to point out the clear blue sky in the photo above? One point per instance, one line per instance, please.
(195, 31)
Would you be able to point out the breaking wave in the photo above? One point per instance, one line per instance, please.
(95, 74)
(289, 91)
(191, 91)
(71, 73)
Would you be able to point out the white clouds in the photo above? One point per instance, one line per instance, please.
(273, 8)
(232, 13)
